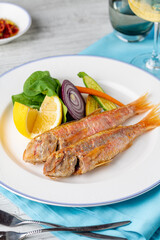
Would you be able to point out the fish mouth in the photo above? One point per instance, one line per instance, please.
(77, 166)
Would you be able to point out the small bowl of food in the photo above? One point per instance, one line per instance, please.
(14, 22)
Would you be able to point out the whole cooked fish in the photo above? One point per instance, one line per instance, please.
(39, 148)
(98, 149)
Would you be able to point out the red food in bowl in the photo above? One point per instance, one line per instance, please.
(7, 28)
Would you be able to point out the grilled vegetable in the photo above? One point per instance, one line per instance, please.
(91, 83)
(99, 94)
(91, 105)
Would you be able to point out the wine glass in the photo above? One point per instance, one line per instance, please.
(148, 10)
(127, 26)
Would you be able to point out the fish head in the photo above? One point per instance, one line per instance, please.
(60, 164)
(39, 148)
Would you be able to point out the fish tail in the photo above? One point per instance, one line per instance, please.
(141, 104)
(152, 120)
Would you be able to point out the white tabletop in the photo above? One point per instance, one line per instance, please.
(58, 27)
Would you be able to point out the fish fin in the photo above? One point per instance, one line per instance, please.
(152, 120)
(95, 152)
(91, 160)
(77, 137)
(105, 162)
(141, 104)
(99, 110)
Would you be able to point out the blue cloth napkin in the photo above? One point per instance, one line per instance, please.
(110, 46)
(143, 211)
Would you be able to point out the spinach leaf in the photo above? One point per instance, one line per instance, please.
(33, 102)
(41, 82)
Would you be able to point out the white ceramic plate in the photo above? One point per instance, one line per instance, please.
(16, 14)
(131, 173)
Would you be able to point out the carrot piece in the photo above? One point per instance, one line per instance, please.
(99, 94)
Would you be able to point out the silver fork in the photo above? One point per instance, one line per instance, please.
(10, 220)
(11, 235)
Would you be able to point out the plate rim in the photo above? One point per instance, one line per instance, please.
(76, 204)
(21, 194)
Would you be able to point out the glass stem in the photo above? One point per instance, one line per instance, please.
(156, 37)
(154, 62)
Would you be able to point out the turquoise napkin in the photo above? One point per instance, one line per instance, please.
(110, 46)
(143, 211)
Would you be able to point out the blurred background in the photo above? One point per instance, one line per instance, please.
(58, 27)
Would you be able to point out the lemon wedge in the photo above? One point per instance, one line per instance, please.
(49, 116)
(30, 122)
(24, 118)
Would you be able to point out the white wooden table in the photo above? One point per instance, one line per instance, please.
(58, 27)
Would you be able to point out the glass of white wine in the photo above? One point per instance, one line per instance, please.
(148, 10)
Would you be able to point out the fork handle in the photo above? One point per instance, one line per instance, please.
(78, 229)
(87, 234)
(26, 222)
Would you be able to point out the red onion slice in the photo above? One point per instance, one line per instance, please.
(73, 100)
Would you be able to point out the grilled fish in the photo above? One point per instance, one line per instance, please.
(98, 149)
(39, 148)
